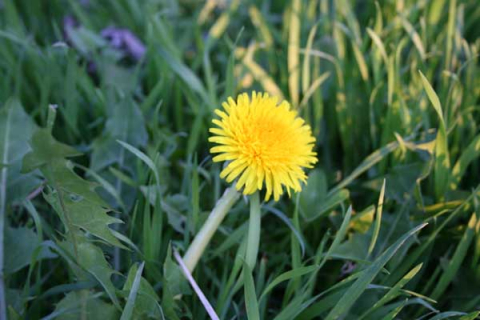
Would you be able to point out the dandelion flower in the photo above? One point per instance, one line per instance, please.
(265, 143)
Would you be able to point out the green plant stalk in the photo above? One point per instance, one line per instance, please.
(201, 240)
(3, 212)
(254, 225)
(118, 185)
(68, 224)
(52, 113)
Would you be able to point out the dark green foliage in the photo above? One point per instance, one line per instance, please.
(93, 200)
(21, 245)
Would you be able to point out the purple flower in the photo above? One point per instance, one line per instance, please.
(124, 39)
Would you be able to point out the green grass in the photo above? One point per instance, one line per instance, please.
(387, 227)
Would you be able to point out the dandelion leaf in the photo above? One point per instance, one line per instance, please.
(73, 196)
(146, 303)
(86, 216)
(78, 303)
(45, 149)
(16, 128)
(90, 258)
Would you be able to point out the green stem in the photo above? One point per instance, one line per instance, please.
(254, 225)
(52, 115)
(3, 208)
(214, 220)
(69, 226)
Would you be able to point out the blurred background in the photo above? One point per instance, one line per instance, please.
(390, 88)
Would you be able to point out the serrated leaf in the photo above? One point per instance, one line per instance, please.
(83, 304)
(45, 149)
(86, 215)
(92, 260)
(65, 179)
(74, 199)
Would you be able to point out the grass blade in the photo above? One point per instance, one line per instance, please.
(208, 307)
(254, 224)
(457, 258)
(470, 153)
(378, 219)
(292, 274)
(128, 310)
(142, 156)
(393, 292)
(306, 61)
(442, 161)
(366, 164)
(352, 294)
(294, 51)
(338, 237)
(378, 42)
(251, 301)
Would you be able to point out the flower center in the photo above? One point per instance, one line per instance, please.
(265, 141)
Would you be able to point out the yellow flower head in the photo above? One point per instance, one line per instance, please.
(264, 142)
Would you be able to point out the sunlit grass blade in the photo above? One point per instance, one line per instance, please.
(393, 292)
(378, 219)
(442, 158)
(293, 51)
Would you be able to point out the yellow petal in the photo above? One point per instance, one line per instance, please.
(267, 143)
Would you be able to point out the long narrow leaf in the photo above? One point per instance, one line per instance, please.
(352, 294)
